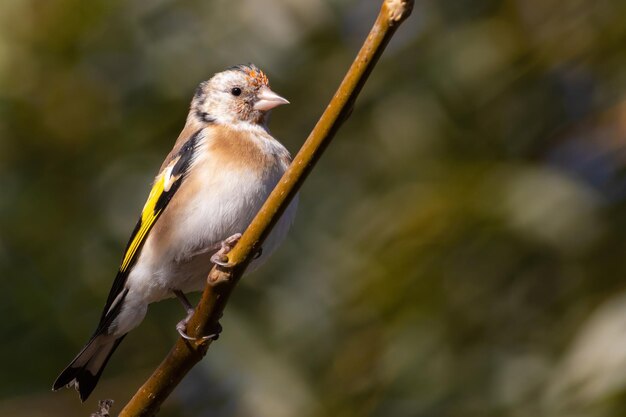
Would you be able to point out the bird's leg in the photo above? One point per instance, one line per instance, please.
(181, 327)
(221, 256)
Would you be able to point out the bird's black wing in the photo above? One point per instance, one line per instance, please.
(165, 186)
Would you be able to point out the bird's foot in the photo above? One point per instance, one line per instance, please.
(181, 327)
(221, 256)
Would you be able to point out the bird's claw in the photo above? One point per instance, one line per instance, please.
(222, 261)
(185, 336)
(181, 328)
(221, 256)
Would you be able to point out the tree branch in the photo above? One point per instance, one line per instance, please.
(220, 282)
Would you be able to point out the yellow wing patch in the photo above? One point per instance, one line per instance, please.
(163, 190)
(148, 217)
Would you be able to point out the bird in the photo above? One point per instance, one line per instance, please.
(210, 186)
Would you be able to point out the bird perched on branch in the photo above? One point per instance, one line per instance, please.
(222, 168)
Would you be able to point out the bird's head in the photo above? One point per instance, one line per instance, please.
(239, 94)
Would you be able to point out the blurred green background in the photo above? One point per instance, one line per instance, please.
(459, 250)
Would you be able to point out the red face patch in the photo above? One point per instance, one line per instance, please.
(257, 77)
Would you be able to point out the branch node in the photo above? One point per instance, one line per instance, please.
(219, 276)
(398, 10)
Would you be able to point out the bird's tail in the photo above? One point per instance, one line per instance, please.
(85, 370)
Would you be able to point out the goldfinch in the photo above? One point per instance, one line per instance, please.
(222, 168)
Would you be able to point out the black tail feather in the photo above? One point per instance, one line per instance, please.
(85, 369)
(82, 376)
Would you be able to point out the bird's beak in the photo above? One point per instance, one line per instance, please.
(267, 99)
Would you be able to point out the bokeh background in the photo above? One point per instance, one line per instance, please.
(459, 250)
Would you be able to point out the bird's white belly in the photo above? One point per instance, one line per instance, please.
(215, 212)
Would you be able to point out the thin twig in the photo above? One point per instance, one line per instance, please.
(104, 406)
(220, 283)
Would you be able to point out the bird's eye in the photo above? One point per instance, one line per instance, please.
(236, 91)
